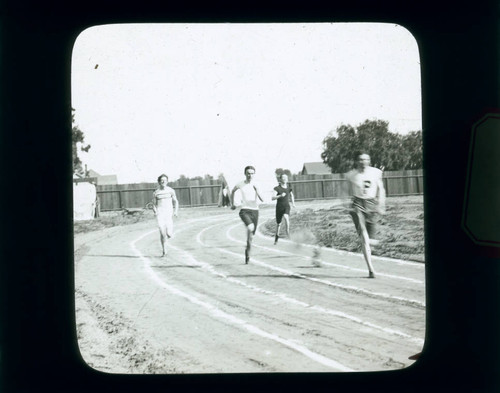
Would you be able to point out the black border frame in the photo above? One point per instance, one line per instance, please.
(459, 48)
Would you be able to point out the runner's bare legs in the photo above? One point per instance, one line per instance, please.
(287, 228)
(287, 224)
(163, 239)
(276, 235)
(359, 222)
(250, 230)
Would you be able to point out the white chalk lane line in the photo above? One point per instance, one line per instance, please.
(284, 297)
(290, 273)
(339, 252)
(218, 313)
(351, 288)
(288, 298)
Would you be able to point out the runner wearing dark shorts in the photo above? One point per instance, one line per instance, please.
(249, 216)
(368, 202)
(249, 212)
(365, 210)
(283, 197)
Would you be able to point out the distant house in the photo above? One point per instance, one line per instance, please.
(316, 168)
(102, 180)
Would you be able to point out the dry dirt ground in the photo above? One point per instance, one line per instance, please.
(294, 308)
(400, 230)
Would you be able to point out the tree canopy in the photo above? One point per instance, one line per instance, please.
(77, 137)
(280, 171)
(387, 150)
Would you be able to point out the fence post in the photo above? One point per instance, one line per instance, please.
(322, 188)
(190, 198)
(120, 199)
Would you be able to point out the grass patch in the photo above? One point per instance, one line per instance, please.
(111, 219)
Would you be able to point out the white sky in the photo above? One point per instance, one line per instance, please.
(198, 99)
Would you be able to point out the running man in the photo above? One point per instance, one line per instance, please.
(164, 202)
(283, 197)
(368, 201)
(249, 212)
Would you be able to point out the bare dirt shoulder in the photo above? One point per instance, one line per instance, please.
(107, 340)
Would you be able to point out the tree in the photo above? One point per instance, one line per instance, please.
(374, 139)
(280, 171)
(338, 150)
(387, 150)
(77, 137)
(182, 181)
(412, 143)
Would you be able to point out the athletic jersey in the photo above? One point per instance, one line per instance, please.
(285, 201)
(163, 198)
(365, 184)
(248, 196)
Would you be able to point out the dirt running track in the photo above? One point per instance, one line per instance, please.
(202, 310)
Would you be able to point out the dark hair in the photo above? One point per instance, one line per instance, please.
(247, 168)
(162, 175)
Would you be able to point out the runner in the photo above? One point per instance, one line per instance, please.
(249, 212)
(283, 196)
(368, 201)
(164, 201)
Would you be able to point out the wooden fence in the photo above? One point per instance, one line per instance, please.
(193, 193)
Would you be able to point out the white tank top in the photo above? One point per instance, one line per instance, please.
(248, 196)
(365, 184)
(164, 198)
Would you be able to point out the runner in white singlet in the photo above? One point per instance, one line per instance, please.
(249, 212)
(368, 201)
(165, 205)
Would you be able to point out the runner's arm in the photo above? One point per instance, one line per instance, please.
(257, 192)
(350, 191)
(175, 202)
(232, 197)
(153, 203)
(277, 196)
(381, 196)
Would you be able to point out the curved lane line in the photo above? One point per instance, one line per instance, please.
(331, 263)
(284, 297)
(231, 318)
(329, 283)
(289, 299)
